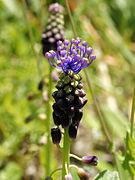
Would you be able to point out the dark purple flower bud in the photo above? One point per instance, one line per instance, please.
(65, 121)
(72, 131)
(40, 85)
(48, 178)
(56, 135)
(80, 85)
(56, 119)
(60, 84)
(54, 95)
(92, 160)
(68, 177)
(57, 110)
(61, 103)
(85, 100)
(82, 93)
(78, 116)
(69, 99)
(61, 93)
(71, 112)
(79, 92)
(83, 175)
(79, 103)
(76, 92)
(68, 89)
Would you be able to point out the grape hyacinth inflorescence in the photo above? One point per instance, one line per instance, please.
(55, 28)
(69, 97)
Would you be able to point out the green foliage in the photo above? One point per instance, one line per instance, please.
(107, 175)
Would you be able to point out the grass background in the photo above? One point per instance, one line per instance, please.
(109, 28)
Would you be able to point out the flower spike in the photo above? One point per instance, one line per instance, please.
(74, 58)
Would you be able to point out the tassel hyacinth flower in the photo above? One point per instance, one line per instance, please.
(71, 57)
(69, 97)
(54, 29)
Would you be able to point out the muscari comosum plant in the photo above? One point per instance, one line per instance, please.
(69, 98)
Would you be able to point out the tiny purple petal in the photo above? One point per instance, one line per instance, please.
(63, 53)
(84, 43)
(48, 55)
(66, 42)
(92, 57)
(84, 62)
(52, 53)
(59, 43)
(72, 41)
(89, 51)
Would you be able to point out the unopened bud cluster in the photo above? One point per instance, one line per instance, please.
(69, 101)
(54, 29)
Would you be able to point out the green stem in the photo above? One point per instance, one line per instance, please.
(48, 126)
(32, 38)
(76, 157)
(132, 114)
(66, 151)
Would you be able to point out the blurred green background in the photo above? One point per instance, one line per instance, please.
(109, 28)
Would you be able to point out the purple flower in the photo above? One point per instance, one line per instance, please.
(92, 160)
(74, 57)
(55, 7)
(83, 175)
(56, 135)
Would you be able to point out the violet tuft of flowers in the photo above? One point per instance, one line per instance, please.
(73, 57)
(54, 29)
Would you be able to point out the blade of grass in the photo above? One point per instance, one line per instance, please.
(24, 7)
(132, 114)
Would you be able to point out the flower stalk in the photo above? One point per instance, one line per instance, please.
(66, 152)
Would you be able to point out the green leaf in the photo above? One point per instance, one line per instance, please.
(107, 175)
(11, 171)
(122, 172)
(74, 174)
(115, 119)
